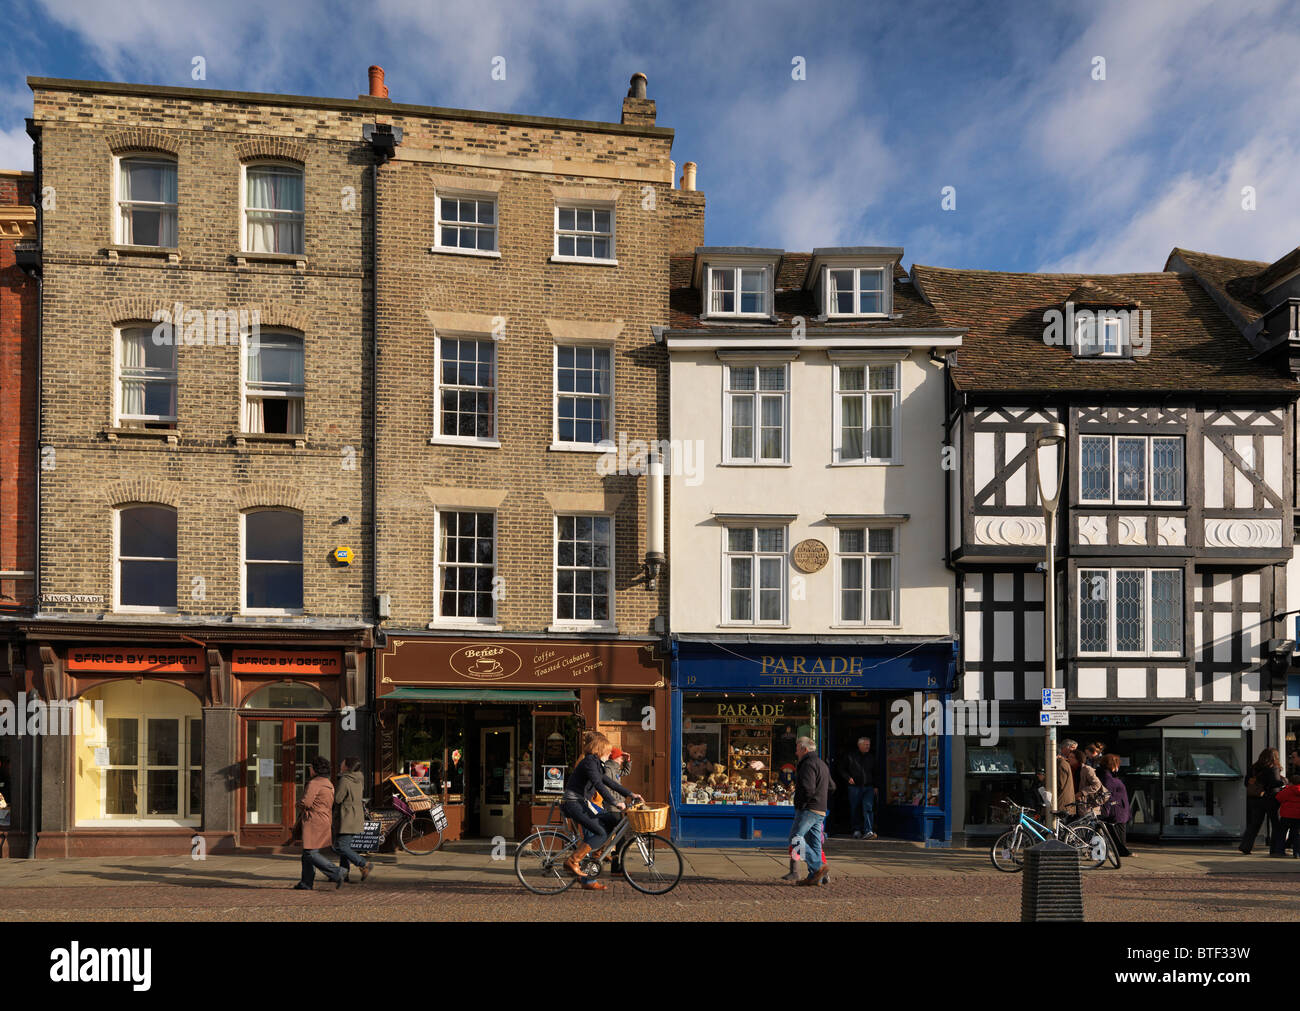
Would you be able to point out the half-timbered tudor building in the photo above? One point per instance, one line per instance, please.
(1175, 534)
(1263, 300)
(808, 596)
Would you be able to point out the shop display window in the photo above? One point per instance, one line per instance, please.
(912, 768)
(431, 748)
(556, 737)
(1203, 775)
(1004, 771)
(740, 748)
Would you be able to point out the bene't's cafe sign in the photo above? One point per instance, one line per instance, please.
(516, 663)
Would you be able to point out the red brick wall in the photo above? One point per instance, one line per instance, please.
(18, 315)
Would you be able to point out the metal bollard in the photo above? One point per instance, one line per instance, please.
(1051, 890)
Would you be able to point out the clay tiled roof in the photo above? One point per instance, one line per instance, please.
(792, 300)
(1194, 347)
(1236, 281)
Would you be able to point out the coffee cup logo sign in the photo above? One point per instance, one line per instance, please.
(485, 663)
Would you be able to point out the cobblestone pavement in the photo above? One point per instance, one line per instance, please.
(870, 882)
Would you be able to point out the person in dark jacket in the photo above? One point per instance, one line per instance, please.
(1263, 781)
(1116, 811)
(352, 816)
(860, 774)
(583, 783)
(812, 789)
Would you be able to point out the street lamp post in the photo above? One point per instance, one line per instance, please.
(1048, 445)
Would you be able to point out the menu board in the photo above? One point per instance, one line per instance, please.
(416, 798)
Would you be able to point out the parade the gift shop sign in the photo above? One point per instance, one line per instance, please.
(285, 661)
(134, 660)
(517, 663)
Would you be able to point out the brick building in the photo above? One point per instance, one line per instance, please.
(243, 296)
(521, 265)
(18, 387)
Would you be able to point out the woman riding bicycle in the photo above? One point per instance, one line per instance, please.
(580, 787)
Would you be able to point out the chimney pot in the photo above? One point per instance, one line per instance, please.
(688, 175)
(377, 87)
(637, 90)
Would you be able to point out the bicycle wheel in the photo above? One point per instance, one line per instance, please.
(650, 863)
(419, 836)
(1008, 852)
(539, 861)
(1090, 844)
(1112, 850)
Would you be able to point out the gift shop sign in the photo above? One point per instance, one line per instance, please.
(134, 660)
(516, 663)
(285, 661)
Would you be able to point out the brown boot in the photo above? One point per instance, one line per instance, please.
(574, 863)
(594, 886)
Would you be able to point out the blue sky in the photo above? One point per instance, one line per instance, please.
(1052, 168)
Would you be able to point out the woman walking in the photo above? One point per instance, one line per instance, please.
(316, 815)
(1263, 781)
(352, 817)
(1115, 812)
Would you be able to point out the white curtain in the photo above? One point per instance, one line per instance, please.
(270, 190)
(253, 414)
(295, 416)
(153, 184)
(133, 360)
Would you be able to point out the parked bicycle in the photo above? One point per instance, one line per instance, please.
(418, 832)
(1008, 851)
(1092, 822)
(650, 863)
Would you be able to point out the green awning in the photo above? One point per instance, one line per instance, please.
(479, 695)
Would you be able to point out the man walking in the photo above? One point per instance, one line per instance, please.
(811, 794)
(317, 816)
(860, 771)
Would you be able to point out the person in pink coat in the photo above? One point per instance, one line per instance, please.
(316, 815)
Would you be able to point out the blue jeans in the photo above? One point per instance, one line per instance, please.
(347, 855)
(808, 827)
(595, 827)
(862, 808)
(311, 859)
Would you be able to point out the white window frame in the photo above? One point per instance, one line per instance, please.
(450, 621)
(837, 423)
(867, 555)
(1104, 321)
(162, 421)
(755, 395)
(559, 624)
(756, 555)
(828, 301)
(244, 245)
(491, 198)
(1147, 501)
(737, 273)
(466, 440)
(185, 817)
(1112, 573)
(147, 156)
(243, 564)
(118, 606)
(588, 205)
(278, 392)
(605, 446)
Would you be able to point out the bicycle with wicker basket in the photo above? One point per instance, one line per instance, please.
(650, 863)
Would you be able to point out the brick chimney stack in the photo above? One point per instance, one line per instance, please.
(378, 89)
(637, 109)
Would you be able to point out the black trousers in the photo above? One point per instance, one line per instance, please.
(596, 827)
(1258, 809)
(1120, 831)
(1290, 831)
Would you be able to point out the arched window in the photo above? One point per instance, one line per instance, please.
(146, 201)
(273, 383)
(273, 208)
(146, 558)
(287, 695)
(146, 371)
(273, 561)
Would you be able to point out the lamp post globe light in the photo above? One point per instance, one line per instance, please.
(1049, 446)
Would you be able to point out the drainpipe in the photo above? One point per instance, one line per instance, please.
(32, 267)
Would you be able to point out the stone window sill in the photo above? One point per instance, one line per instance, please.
(586, 260)
(169, 435)
(171, 253)
(243, 259)
(296, 439)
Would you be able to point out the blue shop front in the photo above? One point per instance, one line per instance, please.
(739, 707)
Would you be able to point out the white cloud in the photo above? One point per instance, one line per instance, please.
(15, 149)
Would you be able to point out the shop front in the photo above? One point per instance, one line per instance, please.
(1184, 772)
(740, 707)
(493, 726)
(152, 746)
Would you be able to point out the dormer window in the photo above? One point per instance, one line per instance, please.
(739, 291)
(1100, 335)
(855, 291)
